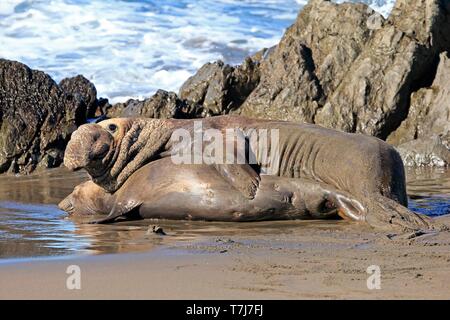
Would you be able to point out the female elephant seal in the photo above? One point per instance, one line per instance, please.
(162, 189)
(365, 167)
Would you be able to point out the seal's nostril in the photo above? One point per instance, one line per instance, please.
(66, 205)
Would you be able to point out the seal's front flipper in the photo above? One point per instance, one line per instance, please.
(240, 176)
(236, 168)
(120, 209)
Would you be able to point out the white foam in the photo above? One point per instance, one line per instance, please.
(382, 6)
(129, 49)
(7, 7)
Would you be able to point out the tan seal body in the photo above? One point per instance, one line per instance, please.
(88, 199)
(365, 167)
(164, 190)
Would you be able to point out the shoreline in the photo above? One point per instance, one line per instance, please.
(323, 261)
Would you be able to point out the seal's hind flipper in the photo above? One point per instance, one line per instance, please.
(385, 213)
(348, 208)
(120, 209)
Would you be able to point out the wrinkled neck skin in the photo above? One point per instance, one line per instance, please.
(142, 142)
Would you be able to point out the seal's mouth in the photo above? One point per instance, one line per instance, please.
(66, 205)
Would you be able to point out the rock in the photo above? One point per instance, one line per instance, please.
(221, 88)
(310, 61)
(429, 113)
(344, 66)
(431, 151)
(83, 89)
(102, 105)
(36, 119)
(400, 58)
(288, 89)
(155, 230)
(424, 137)
(161, 105)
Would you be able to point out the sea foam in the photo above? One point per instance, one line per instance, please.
(129, 49)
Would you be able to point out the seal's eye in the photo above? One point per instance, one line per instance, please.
(330, 205)
(112, 127)
(327, 206)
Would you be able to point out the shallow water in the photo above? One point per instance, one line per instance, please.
(429, 190)
(131, 48)
(31, 225)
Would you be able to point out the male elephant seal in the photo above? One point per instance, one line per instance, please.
(162, 189)
(365, 167)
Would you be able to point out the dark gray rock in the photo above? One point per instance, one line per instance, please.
(221, 88)
(161, 105)
(36, 119)
(83, 89)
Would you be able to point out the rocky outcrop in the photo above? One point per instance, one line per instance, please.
(346, 67)
(220, 88)
(424, 137)
(161, 105)
(36, 119)
(310, 61)
(431, 151)
(84, 90)
(398, 59)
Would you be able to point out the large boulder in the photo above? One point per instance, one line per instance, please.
(309, 62)
(82, 89)
(400, 58)
(36, 119)
(431, 151)
(424, 137)
(161, 105)
(288, 89)
(221, 88)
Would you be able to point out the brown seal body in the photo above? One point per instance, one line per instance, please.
(164, 190)
(87, 199)
(364, 167)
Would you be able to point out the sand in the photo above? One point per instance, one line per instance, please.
(319, 260)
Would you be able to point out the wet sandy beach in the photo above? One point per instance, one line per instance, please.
(200, 260)
(323, 261)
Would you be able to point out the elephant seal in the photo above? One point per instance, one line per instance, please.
(367, 168)
(88, 199)
(164, 190)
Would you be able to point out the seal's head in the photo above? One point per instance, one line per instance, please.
(87, 199)
(113, 149)
(95, 147)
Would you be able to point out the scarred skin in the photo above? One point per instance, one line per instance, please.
(364, 167)
(165, 190)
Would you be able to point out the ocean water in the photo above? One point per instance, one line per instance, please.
(131, 48)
